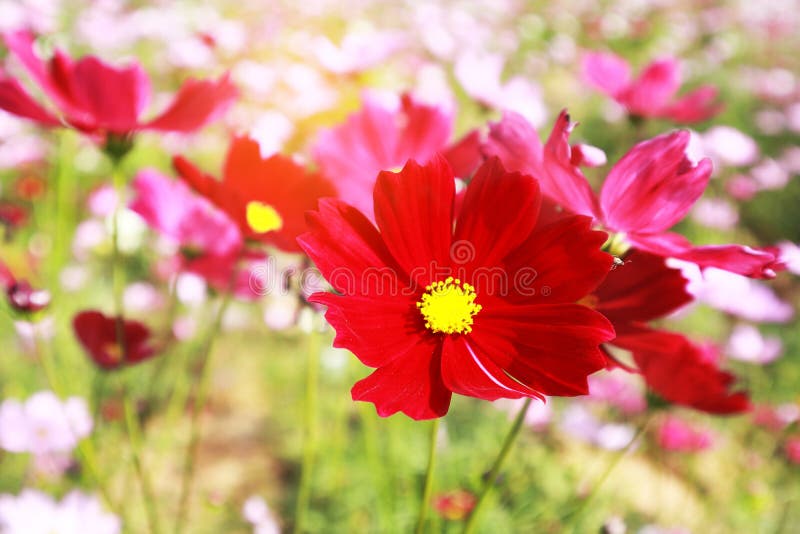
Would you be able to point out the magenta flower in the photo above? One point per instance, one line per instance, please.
(100, 99)
(652, 94)
(381, 137)
(677, 435)
(648, 191)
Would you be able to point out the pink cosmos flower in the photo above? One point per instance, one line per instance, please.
(618, 389)
(647, 192)
(677, 435)
(652, 94)
(748, 345)
(97, 98)
(43, 424)
(170, 207)
(383, 137)
(34, 512)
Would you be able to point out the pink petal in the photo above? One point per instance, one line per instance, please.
(15, 100)
(607, 72)
(654, 88)
(696, 106)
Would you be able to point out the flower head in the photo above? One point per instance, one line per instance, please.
(648, 191)
(100, 99)
(266, 197)
(34, 512)
(479, 304)
(652, 94)
(112, 342)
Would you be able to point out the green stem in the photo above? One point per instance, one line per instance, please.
(134, 431)
(491, 479)
(428, 488)
(381, 479)
(310, 430)
(187, 477)
(576, 515)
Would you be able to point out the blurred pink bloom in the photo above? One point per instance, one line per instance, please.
(715, 213)
(776, 418)
(742, 187)
(792, 449)
(102, 201)
(480, 75)
(677, 435)
(646, 192)
(33, 512)
(735, 294)
(538, 416)
(97, 98)
(174, 210)
(769, 174)
(256, 512)
(790, 255)
(729, 146)
(43, 424)
(357, 51)
(748, 345)
(142, 297)
(619, 389)
(580, 423)
(384, 137)
(653, 93)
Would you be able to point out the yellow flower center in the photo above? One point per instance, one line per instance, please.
(449, 307)
(263, 218)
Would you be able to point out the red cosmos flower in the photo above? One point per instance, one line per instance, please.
(646, 192)
(100, 336)
(266, 198)
(380, 137)
(454, 505)
(644, 289)
(652, 94)
(97, 98)
(440, 308)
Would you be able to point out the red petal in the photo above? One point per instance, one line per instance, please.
(15, 100)
(654, 185)
(376, 329)
(349, 252)
(98, 333)
(197, 103)
(227, 200)
(549, 348)
(465, 155)
(414, 211)
(468, 372)
(641, 289)
(499, 212)
(411, 384)
(560, 263)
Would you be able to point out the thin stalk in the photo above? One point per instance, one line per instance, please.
(576, 515)
(489, 483)
(187, 477)
(310, 430)
(428, 488)
(134, 432)
(380, 477)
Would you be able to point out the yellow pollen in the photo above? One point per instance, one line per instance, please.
(114, 351)
(263, 218)
(448, 307)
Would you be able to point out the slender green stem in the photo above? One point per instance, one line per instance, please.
(428, 488)
(491, 479)
(134, 431)
(381, 478)
(310, 430)
(198, 405)
(577, 514)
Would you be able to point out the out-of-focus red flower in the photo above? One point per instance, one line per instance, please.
(643, 288)
(454, 505)
(646, 192)
(100, 99)
(652, 94)
(486, 308)
(29, 187)
(379, 137)
(112, 342)
(22, 297)
(675, 434)
(12, 215)
(266, 197)
(792, 449)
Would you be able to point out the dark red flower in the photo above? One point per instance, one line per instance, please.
(266, 197)
(454, 505)
(112, 342)
(12, 215)
(644, 288)
(97, 98)
(485, 307)
(22, 297)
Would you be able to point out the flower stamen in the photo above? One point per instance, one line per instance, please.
(449, 307)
